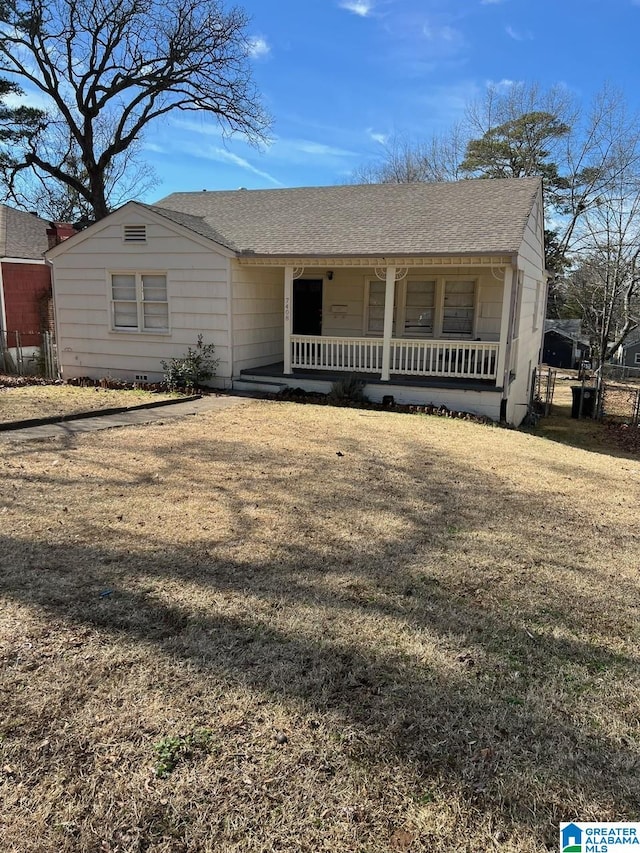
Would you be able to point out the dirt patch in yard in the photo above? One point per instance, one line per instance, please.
(46, 401)
(310, 629)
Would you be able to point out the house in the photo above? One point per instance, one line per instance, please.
(25, 279)
(628, 354)
(564, 344)
(431, 293)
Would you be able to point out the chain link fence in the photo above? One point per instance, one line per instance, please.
(31, 354)
(620, 402)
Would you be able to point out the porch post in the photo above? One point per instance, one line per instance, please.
(389, 299)
(288, 318)
(509, 275)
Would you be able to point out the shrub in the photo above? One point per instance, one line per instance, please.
(193, 369)
(347, 390)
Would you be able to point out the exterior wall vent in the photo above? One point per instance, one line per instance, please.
(135, 233)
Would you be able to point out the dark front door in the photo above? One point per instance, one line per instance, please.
(307, 306)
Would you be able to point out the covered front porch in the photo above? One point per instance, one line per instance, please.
(420, 319)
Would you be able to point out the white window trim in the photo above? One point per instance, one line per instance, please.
(636, 359)
(368, 281)
(399, 308)
(476, 307)
(140, 330)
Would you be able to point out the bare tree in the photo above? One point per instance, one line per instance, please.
(590, 162)
(127, 177)
(604, 286)
(406, 161)
(109, 68)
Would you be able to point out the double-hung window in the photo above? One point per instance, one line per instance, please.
(426, 308)
(375, 308)
(139, 302)
(419, 308)
(458, 310)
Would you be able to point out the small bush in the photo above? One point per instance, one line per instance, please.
(347, 390)
(193, 369)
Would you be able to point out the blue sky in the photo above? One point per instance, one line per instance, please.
(341, 76)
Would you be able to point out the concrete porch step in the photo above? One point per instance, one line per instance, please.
(258, 384)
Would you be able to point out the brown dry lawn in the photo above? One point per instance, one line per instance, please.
(219, 635)
(46, 401)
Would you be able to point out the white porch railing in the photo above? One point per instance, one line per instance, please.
(318, 353)
(455, 359)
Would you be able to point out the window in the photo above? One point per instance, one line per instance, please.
(458, 312)
(139, 302)
(423, 308)
(375, 309)
(636, 359)
(419, 308)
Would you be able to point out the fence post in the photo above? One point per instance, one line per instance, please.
(635, 416)
(4, 351)
(19, 358)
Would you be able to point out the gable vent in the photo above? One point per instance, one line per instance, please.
(135, 233)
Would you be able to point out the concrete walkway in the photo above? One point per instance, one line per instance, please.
(139, 416)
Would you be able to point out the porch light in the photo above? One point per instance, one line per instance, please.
(330, 275)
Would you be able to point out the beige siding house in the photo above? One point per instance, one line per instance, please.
(431, 293)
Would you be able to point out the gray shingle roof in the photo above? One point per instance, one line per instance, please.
(22, 235)
(467, 217)
(194, 223)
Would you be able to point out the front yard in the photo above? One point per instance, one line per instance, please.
(299, 628)
(46, 401)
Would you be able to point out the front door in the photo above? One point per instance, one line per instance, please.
(307, 306)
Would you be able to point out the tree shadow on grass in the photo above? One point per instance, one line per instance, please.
(491, 711)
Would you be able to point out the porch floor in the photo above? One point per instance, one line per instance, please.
(276, 371)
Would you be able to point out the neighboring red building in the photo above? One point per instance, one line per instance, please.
(25, 278)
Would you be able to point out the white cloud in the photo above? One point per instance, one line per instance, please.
(363, 8)
(516, 35)
(154, 147)
(28, 99)
(380, 138)
(319, 149)
(222, 155)
(501, 85)
(259, 48)
(305, 151)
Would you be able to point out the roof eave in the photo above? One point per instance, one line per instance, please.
(504, 256)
